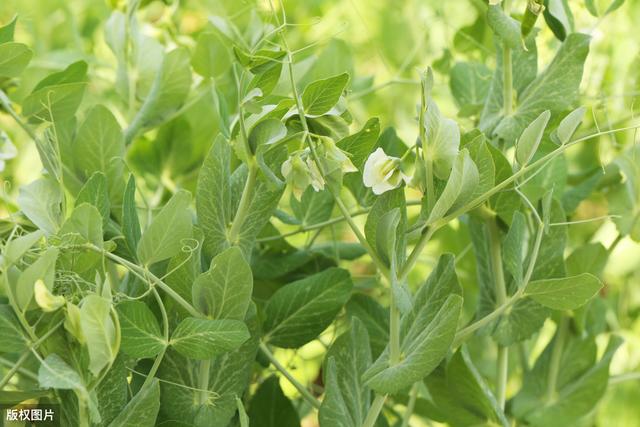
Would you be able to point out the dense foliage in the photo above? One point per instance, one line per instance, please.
(211, 219)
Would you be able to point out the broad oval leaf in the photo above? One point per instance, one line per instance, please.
(224, 291)
(163, 238)
(204, 338)
(322, 95)
(142, 410)
(529, 141)
(300, 311)
(140, 331)
(14, 58)
(99, 331)
(566, 293)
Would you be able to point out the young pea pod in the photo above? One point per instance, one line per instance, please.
(534, 9)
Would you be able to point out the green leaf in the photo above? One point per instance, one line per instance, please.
(243, 418)
(462, 395)
(520, 322)
(566, 293)
(460, 186)
(265, 133)
(426, 332)
(141, 336)
(40, 202)
(224, 291)
(298, 312)
(581, 382)
(388, 238)
(204, 338)
(213, 197)
(313, 207)
(555, 89)
(14, 249)
(11, 338)
(142, 410)
(322, 95)
(514, 247)
(359, 145)
(271, 408)
(82, 227)
(164, 236)
(469, 83)
(99, 147)
(504, 26)
(14, 58)
(57, 96)
(113, 391)
(95, 192)
(211, 58)
(6, 31)
(44, 269)
(168, 92)
(130, 221)
(99, 331)
(347, 399)
(529, 141)
(568, 125)
(56, 373)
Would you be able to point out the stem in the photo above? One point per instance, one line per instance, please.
(556, 357)
(245, 203)
(507, 73)
(203, 381)
(374, 411)
(301, 388)
(394, 331)
(17, 365)
(413, 395)
(415, 253)
(503, 374)
(466, 332)
(501, 297)
(165, 333)
(144, 274)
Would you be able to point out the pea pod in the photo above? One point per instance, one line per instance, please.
(534, 8)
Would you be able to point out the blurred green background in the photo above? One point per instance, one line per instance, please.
(384, 44)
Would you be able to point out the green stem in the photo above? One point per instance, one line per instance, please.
(374, 411)
(203, 381)
(144, 274)
(245, 203)
(165, 334)
(413, 395)
(394, 331)
(507, 73)
(502, 367)
(285, 372)
(16, 366)
(556, 357)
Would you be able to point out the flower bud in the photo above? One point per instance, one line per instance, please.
(45, 299)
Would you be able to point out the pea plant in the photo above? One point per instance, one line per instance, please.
(213, 208)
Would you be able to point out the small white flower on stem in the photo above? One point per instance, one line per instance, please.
(382, 172)
(317, 181)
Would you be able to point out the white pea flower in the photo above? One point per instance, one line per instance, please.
(382, 172)
(45, 299)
